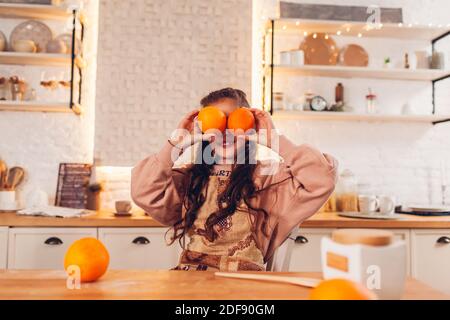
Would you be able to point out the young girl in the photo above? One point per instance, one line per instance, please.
(234, 215)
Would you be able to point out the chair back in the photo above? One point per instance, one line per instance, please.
(282, 256)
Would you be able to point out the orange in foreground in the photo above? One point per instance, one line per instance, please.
(242, 119)
(212, 118)
(90, 255)
(341, 289)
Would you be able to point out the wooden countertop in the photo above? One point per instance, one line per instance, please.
(176, 285)
(139, 219)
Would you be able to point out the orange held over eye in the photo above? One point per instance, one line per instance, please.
(242, 119)
(90, 255)
(341, 289)
(212, 118)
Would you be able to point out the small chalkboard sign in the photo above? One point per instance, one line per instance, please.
(73, 182)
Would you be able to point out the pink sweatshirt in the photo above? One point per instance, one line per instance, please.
(297, 190)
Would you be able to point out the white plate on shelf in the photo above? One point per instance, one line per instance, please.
(33, 30)
(374, 216)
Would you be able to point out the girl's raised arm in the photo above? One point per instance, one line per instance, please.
(158, 188)
(154, 187)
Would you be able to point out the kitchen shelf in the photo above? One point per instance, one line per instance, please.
(39, 106)
(39, 59)
(33, 11)
(346, 116)
(385, 30)
(361, 72)
(301, 27)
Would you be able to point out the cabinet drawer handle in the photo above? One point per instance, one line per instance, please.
(53, 241)
(443, 240)
(301, 240)
(141, 241)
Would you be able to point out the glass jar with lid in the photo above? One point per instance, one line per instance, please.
(347, 192)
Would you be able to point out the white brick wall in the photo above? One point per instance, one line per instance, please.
(157, 58)
(39, 141)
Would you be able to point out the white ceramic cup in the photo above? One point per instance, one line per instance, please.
(387, 205)
(297, 57)
(285, 58)
(368, 204)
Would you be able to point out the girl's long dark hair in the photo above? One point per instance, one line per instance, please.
(240, 188)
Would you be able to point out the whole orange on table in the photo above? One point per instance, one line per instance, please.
(212, 118)
(242, 119)
(341, 289)
(90, 255)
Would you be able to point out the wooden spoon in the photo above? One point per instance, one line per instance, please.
(15, 177)
(304, 282)
(3, 174)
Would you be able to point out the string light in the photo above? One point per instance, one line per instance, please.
(284, 27)
(305, 33)
(315, 35)
(326, 37)
(339, 32)
(360, 35)
(297, 23)
(347, 29)
(400, 24)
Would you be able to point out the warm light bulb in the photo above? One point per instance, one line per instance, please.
(400, 24)
(305, 33)
(297, 23)
(348, 29)
(339, 32)
(326, 36)
(284, 27)
(359, 35)
(315, 35)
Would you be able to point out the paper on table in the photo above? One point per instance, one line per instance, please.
(52, 211)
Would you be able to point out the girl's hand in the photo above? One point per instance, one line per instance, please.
(188, 132)
(265, 127)
(187, 123)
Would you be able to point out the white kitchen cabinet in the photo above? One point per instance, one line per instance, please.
(430, 254)
(139, 248)
(306, 252)
(3, 247)
(42, 248)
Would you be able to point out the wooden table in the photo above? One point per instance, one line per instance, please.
(139, 219)
(176, 285)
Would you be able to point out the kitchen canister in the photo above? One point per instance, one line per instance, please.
(8, 201)
(285, 58)
(368, 256)
(437, 60)
(297, 57)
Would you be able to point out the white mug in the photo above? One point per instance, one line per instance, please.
(387, 205)
(368, 204)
